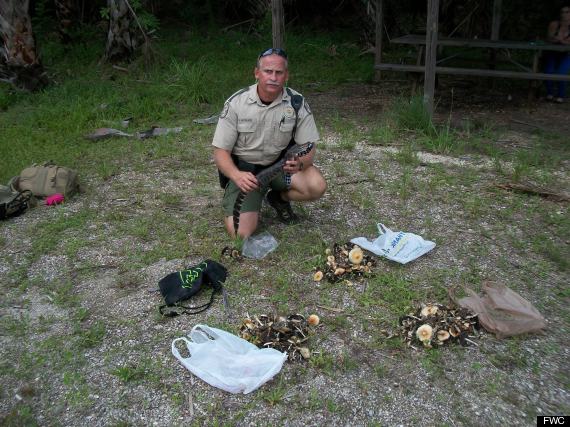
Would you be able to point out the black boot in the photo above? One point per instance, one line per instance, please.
(283, 208)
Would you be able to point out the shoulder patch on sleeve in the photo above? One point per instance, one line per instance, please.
(239, 92)
(224, 112)
(307, 107)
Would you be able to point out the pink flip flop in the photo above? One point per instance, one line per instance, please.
(54, 199)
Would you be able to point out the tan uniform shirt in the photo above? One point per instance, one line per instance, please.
(257, 133)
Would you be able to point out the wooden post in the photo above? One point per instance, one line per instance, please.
(278, 23)
(431, 54)
(532, 84)
(416, 77)
(379, 37)
(495, 31)
(496, 28)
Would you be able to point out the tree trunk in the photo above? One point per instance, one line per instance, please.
(19, 62)
(65, 11)
(122, 36)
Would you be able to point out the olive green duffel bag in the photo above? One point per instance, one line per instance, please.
(46, 180)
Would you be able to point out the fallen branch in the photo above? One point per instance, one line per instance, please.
(191, 405)
(336, 310)
(358, 181)
(530, 189)
(520, 122)
(471, 342)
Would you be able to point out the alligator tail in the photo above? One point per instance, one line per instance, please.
(237, 210)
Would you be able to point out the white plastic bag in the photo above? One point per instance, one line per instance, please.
(227, 361)
(258, 246)
(397, 246)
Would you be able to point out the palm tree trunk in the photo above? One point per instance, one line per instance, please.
(121, 38)
(19, 62)
(64, 10)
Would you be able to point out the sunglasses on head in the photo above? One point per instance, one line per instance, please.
(273, 50)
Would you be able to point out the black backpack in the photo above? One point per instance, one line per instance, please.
(182, 285)
(13, 203)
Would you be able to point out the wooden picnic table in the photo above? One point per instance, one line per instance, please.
(524, 72)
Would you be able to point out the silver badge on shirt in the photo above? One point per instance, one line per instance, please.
(289, 112)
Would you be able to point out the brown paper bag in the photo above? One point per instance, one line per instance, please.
(503, 311)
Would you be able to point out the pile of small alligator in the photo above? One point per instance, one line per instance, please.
(286, 334)
(344, 261)
(437, 324)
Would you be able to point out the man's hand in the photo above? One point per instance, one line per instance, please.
(293, 165)
(245, 181)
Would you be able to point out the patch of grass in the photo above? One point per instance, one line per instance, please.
(512, 356)
(81, 314)
(383, 134)
(380, 370)
(141, 228)
(194, 77)
(314, 401)
(128, 280)
(389, 290)
(63, 294)
(339, 322)
(361, 200)
(346, 362)
(276, 393)
(17, 328)
(476, 366)
(332, 406)
(432, 362)
(442, 140)
(129, 373)
(411, 114)
(281, 297)
(407, 156)
(347, 132)
(48, 234)
(324, 362)
(73, 245)
(475, 206)
(494, 387)
(558, 254)
(77, 390)
(541, 156)
(91, 336)
(21, 415)
(170, 199)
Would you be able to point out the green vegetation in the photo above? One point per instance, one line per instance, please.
(129, 373)
(184, 83)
